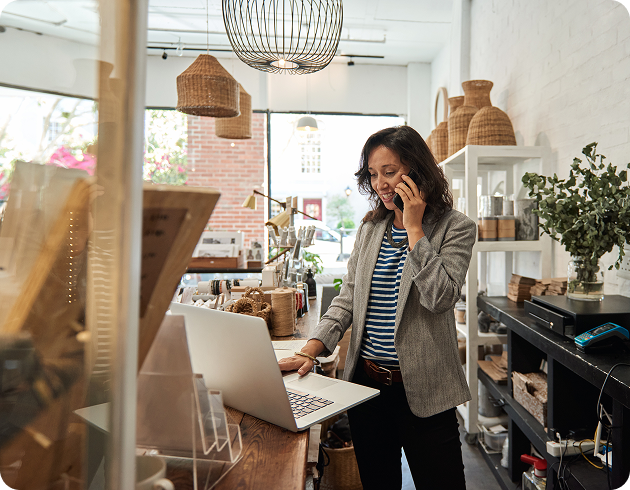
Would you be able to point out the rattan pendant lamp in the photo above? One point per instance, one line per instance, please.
(240, 127)
(205, 88)
(284, 36)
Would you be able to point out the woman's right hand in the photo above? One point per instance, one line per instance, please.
(300, 363)
(296, 363)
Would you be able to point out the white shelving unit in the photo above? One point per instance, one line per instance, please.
(474, 165)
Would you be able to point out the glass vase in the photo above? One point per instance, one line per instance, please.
(585, 280)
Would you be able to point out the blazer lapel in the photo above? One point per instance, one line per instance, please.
(406, 279)
(363, 278)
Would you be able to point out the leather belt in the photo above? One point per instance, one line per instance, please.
(381, 374)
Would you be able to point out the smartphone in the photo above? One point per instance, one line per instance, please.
(413, 175)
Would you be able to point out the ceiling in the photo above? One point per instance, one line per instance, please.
(392, 32)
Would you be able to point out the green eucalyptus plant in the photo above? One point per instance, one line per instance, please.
(588, 213)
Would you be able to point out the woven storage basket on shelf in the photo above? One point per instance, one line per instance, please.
(253, 304)
(477, 93)
(490, 125)
(458, 123)
(455, 102)
(342, 473)
(205, 88)
(439, 142)
(240, 127)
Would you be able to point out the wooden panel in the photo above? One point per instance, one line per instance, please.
(272, 458)
(163, 214)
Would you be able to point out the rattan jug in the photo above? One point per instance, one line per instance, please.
(460, 118)
(490, 125)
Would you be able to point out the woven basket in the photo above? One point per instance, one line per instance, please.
(477, 93)
(342, 473)
(240, 127)
(455, 102)
(252, 303)
(440, 142)
(458, 123)
(205, 88)
(491, 126)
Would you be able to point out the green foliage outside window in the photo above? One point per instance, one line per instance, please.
(165, 157)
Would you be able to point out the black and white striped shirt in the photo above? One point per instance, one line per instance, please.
(378, 338)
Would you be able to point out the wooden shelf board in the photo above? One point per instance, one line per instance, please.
(513, 246)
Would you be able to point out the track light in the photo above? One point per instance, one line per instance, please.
(164, 55)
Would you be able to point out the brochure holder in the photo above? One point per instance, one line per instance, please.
(179, 419)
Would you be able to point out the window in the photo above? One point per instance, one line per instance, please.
(317, 167)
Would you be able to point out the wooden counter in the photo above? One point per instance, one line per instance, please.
(273, 457)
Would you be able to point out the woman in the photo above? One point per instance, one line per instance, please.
(404, 277)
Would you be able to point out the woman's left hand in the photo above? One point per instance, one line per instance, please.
(415, 207)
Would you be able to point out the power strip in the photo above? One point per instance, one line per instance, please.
(568, 448)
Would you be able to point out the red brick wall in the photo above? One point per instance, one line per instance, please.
(233, 170)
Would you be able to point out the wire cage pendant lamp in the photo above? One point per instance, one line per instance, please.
(284, 36)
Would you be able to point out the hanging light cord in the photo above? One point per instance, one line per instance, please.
(207, 28)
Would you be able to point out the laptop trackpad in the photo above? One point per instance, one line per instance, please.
(310, 383)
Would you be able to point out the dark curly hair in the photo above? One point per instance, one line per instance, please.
(413, 152)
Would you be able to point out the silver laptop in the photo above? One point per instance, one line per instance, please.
(234, 354)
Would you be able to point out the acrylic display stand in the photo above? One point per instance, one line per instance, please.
(179, 419)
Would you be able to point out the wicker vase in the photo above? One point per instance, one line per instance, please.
(490, 125)
(439, 142)
(458, 123)
(455, 102)
(477, 93)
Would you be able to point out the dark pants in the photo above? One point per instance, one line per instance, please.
(385, 424)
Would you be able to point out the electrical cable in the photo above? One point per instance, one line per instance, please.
(584, 455)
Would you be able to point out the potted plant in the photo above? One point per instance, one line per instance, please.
(588, 213)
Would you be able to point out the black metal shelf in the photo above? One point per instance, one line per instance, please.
(574, 380)
(493, 460)
(533, 429)
(591, 367)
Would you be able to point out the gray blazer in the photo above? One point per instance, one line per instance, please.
(425, 335)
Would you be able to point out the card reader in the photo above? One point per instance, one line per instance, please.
(606, 333)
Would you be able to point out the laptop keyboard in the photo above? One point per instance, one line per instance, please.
(303, 403)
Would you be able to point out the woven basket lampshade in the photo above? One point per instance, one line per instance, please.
(205, 88)
(490, 125)
(240, 127)
(428, 141)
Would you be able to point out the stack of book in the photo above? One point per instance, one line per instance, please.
(558, 287)
(519, 288)
(541, 286)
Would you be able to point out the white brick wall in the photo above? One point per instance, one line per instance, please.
(561, 71)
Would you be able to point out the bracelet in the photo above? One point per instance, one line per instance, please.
(304, 354)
